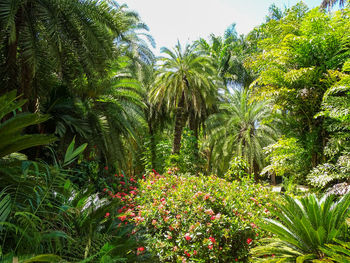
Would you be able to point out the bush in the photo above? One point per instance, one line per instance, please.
(303, 228)
(201, 219)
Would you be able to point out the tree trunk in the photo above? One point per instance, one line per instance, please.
(179, 124)
(153, 146)
(273, 178)
(193, 123)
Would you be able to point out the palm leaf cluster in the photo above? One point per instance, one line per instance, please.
(304, 227)
(241, 128)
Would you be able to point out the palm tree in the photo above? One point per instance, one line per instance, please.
(186, 83)
(240, 128)
(228, 53)
(331, 3)
(57, 39)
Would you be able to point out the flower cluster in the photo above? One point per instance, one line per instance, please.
(189, 218)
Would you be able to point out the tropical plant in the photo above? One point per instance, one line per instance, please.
(11, 127)
(339, 252)
(335, 110)
(228, 54)
(200, 218)
(302, 228)
(331, 3)
(300, 54)
(70, 38)
(287, 158)
(186, 83)
(241, 128)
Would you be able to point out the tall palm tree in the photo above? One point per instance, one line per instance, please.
(56, 39)
(240, 129)
(186, 82)
(331, 3)
(228, 53)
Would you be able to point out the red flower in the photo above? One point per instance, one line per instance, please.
(107, 215)
(140, 250)
(106, 168)
(236, 259)
(194, 252)
(210, 246)
(212, 239)
(187, 237)
(249, 240)
(122, 218)
(213, 218)
(122, 183)
(187, 254)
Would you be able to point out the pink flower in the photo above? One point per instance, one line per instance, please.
(187, 237)
(249, 240)
(209, 212)
(213, 218)
(154, 222)
(107, 215)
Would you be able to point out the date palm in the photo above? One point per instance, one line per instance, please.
(45, 40)
(331, 3)
(228, 53)
(240, 129)
(186, 82)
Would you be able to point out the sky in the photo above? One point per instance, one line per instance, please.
(187, 20)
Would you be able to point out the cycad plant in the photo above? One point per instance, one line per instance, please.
(302, 229)
(339, 252)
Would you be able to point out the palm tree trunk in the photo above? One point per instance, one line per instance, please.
(152, 146)
(193, 123)
(179, 124)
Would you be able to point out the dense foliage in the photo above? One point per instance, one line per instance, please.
(88, 114)
(202, 219)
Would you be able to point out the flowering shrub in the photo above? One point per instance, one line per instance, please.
(200, 219)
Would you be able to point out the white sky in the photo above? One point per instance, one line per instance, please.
(187, 20)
